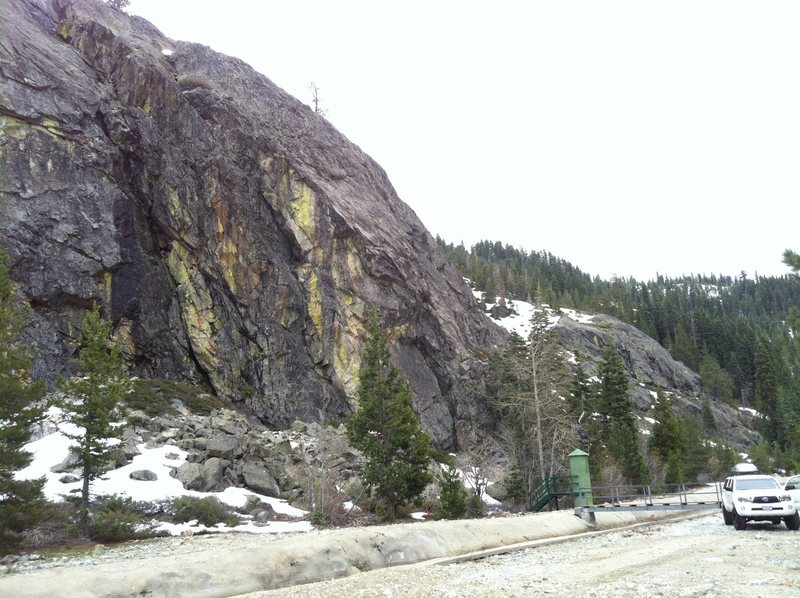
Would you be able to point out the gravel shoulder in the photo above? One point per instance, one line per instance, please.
(694, 556)
(690, 557)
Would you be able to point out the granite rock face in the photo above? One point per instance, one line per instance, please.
(646, 361)
(233, 236)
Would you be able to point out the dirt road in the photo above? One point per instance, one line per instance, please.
(690, 557)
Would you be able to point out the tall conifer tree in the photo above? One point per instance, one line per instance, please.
(621, 434)
(94, 403)
(385, 428)
(21, 501)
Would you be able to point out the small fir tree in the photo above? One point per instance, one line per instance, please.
(385, 428)
(94, 403)
(21, 501)
(665, 439)
(515, 486)
(452, 496)
(621, 434)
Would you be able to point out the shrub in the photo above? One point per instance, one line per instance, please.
(475, 506)
(514, 485)
(115, 526)
(154, 396)
(118, 518)
(208, 511)
(202, 404)
(55, 529)
(453, 498)
(150, 396)
(317, 517)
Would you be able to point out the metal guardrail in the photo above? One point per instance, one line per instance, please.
(649, 497)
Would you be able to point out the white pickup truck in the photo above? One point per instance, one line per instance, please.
(753, 497)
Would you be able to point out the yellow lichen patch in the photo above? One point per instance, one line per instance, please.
(346, 357)
(18, 129)
(396, 333)
(51, 125)
(303, 207)
(196, 305)
(173, 201)
(123, 335)
(314, 302)
(228, 258)
(64, 30)
(229, 237)
(12, 127)
(297, 201)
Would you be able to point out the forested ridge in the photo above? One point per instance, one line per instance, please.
(731, 330)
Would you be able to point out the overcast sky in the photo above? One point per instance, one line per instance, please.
(630, 138)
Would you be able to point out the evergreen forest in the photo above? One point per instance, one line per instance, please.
(730, 330)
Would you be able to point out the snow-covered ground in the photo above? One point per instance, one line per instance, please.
(53, 449)
(520, 320)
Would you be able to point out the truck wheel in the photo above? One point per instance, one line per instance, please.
(726, 516)
(793, 523)
(739, 522)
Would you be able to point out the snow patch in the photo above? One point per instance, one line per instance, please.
(53, 449)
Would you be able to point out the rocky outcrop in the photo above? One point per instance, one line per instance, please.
(229, 449)
(650, 367)
(233, 236)
(647, 362)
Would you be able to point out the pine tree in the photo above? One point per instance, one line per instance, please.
(93, 403)
(452, 497)
(621, 435)
(515, 486)
(792, 259)
(665, 439)
(385, 428)
(613, 396)
(581, 399)
(766, 388)
(717, 383)
(21, 501)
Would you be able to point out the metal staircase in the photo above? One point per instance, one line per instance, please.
(550, 489)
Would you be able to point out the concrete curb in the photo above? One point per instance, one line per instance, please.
(312, 557)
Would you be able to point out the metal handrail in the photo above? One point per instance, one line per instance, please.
(641, 496)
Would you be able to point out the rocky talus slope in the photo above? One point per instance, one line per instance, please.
(235, 238)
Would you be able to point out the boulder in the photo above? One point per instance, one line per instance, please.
(260, 480)
(225, 446)
(143, 475)
(204, 477)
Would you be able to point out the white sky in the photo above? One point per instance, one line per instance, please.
(630, 138)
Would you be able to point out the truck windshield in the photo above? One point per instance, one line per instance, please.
(765, 484)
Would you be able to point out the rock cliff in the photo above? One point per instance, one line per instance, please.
(233, 236)
(650, 368)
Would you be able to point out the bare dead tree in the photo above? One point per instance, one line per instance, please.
(316, 100)
(537, 431)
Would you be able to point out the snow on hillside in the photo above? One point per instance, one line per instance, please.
(520, 319)
(53, 449)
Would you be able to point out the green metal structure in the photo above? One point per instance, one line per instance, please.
(549, 491)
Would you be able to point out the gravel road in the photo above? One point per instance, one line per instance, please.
(690, 557)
